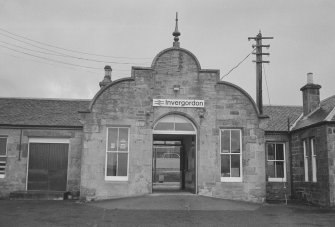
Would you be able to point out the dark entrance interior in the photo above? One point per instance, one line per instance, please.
(47, 169)
(173, 163)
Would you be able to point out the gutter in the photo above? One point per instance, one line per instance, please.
(19, 126)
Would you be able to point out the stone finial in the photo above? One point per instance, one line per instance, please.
(176, 33)
(108, 76)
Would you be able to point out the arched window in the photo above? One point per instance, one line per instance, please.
(174, 124)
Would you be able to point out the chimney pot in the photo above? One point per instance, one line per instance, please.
(309, 78)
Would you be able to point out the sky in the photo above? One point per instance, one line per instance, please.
(58, 49)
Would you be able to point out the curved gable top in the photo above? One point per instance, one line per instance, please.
(97, 95)
(244, 93)
(154, 62)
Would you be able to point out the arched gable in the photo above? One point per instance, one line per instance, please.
(101, 91)
(252, 102)
(154, 62)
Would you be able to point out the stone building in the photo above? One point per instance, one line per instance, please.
(168, 127)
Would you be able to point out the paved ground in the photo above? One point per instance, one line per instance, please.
(161, 210)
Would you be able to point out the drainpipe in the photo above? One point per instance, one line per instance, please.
(20, 146)
(290, 155)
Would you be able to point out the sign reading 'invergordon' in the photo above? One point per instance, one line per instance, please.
(179, 102)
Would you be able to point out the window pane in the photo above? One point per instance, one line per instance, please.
(225, 165)
(123, 139)
(111, 164)
(164, 126)
(122, 164)
(271, 169)
(279, 151)
(235, 165)
(184, 127)
(235, 141)
(225, 141)
(3, 142)
(271, 151)
(112, 138)
(280, 169)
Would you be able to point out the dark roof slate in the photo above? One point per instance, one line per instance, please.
(319, 115)
(41, 112)
(279, 115)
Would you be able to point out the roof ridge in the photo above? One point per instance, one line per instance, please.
(326, 99)
(53, 99)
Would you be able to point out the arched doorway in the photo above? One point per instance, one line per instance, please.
(174, 155)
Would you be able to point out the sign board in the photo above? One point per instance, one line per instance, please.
(178, 103)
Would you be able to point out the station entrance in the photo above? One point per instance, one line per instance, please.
(174, 155)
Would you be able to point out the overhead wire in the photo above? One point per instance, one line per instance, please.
(70, 66)
(65, 49)
(49, 59)
(46, 62)
(266, 83)
(238, 64)
(67, 55)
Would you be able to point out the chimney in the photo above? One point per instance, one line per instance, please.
(310, 95)
(107, 79)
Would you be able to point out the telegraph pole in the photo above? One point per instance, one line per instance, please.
(259, 61)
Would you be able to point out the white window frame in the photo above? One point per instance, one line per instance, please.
(277, 179)
(305, 160)
(231, 179)
(117, 178)
(314, 176)
(176, 119)
(2, 175)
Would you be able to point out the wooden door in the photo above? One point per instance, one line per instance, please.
(47, 168)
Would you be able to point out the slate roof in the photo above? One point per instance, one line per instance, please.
(41, 112)
(320, 115)
(279, 116)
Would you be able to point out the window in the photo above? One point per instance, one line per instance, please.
(305, 160)
(3, 156)
(313, 160)
(174, 124)
(231, 155)
(117, 154)
(276, 166)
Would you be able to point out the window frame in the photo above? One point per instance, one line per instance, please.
(276, 179)
(117, 178)
(3, 175)
(304, 145)
(313, 156)
(231, 179)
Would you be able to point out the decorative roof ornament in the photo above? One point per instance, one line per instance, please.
(176, 33)
(108, 76)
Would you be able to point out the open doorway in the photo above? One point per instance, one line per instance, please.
(174, 155)
(173, 163)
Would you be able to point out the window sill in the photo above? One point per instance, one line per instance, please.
(231, 179)
(277, 180)
(116, 179)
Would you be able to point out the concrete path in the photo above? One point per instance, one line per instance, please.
(174, 202)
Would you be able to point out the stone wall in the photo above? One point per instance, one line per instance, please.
(128, 102)
(17, 157)
(312, 192)
(331, 161)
